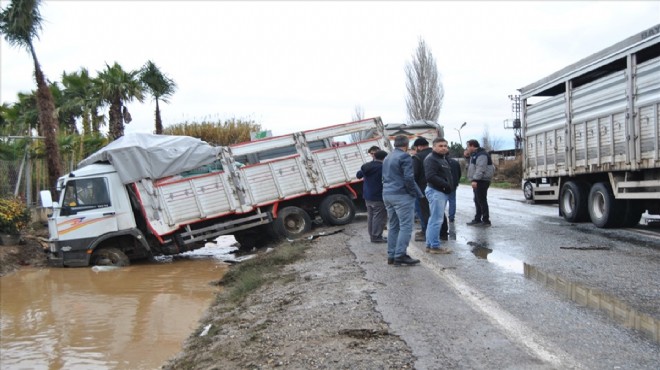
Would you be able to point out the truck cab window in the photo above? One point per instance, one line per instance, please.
(86, 194)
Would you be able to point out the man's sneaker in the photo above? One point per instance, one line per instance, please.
(390, 261)
(440, 251)
(420, 236)
(474, 223)
(484, 224)
(381, 240)
(405, 260)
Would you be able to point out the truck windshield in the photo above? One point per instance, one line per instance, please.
(85, 194)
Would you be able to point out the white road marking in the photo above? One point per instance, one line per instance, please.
(514, 328)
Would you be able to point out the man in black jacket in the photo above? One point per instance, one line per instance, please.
(422, 210)
(422, 149)
(372, 191)
(439, 186)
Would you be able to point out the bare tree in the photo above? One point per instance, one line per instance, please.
(490, 143)
(358, 114)
(425, 91)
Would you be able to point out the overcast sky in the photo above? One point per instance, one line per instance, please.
(304, 64)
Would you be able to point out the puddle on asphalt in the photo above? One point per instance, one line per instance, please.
(502, 260)
(582, 295)
(134, 317)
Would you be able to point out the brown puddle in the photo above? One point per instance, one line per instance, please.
(128, 318)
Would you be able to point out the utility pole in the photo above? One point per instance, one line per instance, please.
(516, 125)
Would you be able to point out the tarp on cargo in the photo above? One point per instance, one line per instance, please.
(138, 156)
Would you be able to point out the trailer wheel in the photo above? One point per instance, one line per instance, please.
(109, 257)
(292, 222)
(604, 210)
(633, 213)
(528, 191)
(573, 201)
(337, 209)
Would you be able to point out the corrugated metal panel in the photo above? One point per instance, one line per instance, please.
(330, 167)
(599, 98)
(546, 115)
(352, 160)
(647, 101)
(260, 182)
(648, 83)
(290, 176)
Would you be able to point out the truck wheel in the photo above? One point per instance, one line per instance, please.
(604, 210)
(109, 257)
(292, 222)
(528, 191)
(247, 240)
(573, 201)
(337, 209)
(633, 213)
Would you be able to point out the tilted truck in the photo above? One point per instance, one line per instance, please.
(591, 134)
(146, 195)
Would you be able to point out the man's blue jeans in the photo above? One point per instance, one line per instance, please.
(400, 210)
(437, 202)
(452, 205)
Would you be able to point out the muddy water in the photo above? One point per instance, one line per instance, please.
(80, 318)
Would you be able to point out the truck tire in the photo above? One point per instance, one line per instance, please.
(528, 191)
(633, 213)
(573, 201)
(292, 222)
(109, 257)
(337, 209)
(604, 210)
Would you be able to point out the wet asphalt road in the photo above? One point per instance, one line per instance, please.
(524, 293)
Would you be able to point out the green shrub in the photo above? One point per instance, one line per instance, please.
(14, 216)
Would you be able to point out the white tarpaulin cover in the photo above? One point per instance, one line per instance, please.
(138, 156)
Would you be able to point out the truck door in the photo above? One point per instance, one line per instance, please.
(87, 210)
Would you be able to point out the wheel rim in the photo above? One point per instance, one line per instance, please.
(528, 191)
(339, 210)
(294, 224)
(598, 208)
(569, 202)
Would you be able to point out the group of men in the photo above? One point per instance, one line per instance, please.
(399, 184)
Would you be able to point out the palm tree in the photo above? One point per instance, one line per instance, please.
(80, 95)
(116, 88)
(20, 22)
(159, 86)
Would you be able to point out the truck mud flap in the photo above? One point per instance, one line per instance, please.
(187, 239)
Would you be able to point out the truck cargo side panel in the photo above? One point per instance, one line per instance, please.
(647, 102)
(545, 139)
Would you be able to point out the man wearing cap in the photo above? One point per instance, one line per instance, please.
(399, 194)
(372, 191)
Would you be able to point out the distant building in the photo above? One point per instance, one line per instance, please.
(429, 130)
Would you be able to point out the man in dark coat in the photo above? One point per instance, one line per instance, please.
(372, 191)
(422, 210)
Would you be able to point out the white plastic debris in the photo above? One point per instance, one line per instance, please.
(205, 331)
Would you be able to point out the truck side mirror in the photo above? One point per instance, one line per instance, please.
(46, 199)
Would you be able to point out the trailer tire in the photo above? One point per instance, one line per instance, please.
(633, 213)
(109, 257)
(337, 209)
(292, 222)
(573, 203)
(604, 210)
(528, 191)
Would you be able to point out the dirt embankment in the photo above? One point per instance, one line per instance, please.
(29, 252)
(316, 314)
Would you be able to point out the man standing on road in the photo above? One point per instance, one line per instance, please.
(439, 179)
(422, 150)
(456, 177)
(480, 171)
(399, 194)
(372, 191)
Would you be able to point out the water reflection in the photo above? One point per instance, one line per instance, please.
(77, 318)
(481, 251)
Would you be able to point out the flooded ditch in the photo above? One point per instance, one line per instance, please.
(128, 318)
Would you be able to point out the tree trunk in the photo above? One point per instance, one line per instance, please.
(116, 129)
(48, 123)
(159, 122)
